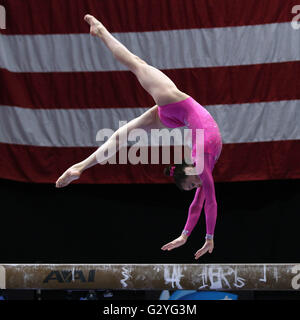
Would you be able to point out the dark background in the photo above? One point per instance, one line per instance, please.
(258, 222)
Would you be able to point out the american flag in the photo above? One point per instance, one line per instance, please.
(59, 86)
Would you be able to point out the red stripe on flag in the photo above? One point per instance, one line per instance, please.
(238, 162)
(209, 86)
(57, 16)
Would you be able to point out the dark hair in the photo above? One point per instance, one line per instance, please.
(179, 173)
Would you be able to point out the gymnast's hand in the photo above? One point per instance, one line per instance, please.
(175, 243)
(208, 246)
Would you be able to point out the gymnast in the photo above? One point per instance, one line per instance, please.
(173, 109)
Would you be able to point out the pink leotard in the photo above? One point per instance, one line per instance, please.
(191, 114)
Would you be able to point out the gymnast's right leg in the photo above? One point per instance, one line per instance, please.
(147, 121)
(156, 83)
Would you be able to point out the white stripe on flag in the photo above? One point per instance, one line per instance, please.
(255, 122)
(189, 48)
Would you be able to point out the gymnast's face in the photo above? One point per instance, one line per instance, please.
(192, 181)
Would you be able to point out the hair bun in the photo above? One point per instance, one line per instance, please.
(167, 171)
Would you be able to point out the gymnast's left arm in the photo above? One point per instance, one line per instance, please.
(210, 206)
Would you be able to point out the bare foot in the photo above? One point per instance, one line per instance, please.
(68, 176)
(95, 24)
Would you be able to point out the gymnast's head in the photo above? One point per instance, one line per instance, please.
(184, 176)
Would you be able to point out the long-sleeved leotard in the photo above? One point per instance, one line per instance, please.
(191, 114)
(205, 193)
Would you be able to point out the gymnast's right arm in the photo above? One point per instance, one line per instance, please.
(194, 212)
(193, 217)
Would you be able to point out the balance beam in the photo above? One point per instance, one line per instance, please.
(151, 276)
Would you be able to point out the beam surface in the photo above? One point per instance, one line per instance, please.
(151, 276)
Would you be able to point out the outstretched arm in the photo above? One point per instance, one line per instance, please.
(207, 193)
(210, 207)
(194, 212)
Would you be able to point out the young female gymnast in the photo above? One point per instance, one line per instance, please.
(173, 109)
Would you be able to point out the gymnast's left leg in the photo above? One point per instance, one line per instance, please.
(155, 82)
